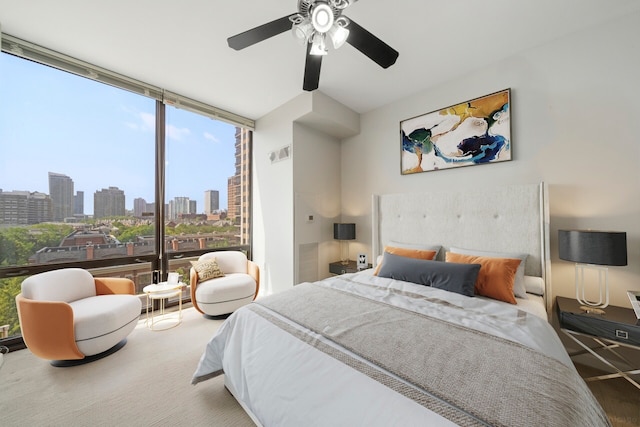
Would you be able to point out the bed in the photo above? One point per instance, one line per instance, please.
(379, 348)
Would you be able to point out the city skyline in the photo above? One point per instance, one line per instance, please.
(101, 137)
(201, 208)
(26, 207)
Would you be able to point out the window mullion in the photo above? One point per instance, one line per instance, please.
(162, 262)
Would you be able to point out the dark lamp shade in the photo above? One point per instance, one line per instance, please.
(593, 247)
(344, 231)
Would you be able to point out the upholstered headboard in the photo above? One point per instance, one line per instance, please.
(503, 219)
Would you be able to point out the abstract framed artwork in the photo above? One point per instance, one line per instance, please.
(470, 133)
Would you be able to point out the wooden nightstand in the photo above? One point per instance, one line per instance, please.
(617, 327)
(339, 268)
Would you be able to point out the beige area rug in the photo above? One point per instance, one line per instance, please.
(146, 383)
(619, 398)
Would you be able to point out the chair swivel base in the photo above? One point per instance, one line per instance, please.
(216, 316)
(88, 359)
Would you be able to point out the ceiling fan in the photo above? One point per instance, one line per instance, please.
(317, 23)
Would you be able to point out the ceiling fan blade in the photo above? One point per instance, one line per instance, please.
(311, 70)
(380, 52)
(258, 34)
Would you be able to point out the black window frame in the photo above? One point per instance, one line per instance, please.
(160, 259)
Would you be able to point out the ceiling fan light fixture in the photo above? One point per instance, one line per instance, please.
(303, 31)
(322, 17)
(318, 46)
(338, 33)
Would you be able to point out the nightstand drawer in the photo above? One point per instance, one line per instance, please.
(340, 268)
(615, 325)
(605, 329)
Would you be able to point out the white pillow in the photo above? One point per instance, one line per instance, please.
(519, 289)
(534, 285)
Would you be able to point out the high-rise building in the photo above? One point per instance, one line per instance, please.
(181, 206)
(142, 209)
(211, 201)
(108, 202)
(233, 199)
(238, 186)
(24, 207)
(139, 207)
(178, 206)
(78, 203)
(61, 193)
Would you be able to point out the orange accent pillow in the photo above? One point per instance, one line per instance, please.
(496, 277)
(407, 253)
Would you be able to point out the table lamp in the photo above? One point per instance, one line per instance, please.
(591, 250)
(344, 232)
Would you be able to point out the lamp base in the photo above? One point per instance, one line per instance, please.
(344, 252)
(592, 310)
(587, 305)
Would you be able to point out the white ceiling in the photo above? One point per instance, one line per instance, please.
(180, 45)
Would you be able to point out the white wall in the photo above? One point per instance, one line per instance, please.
(575, 107)
(272, 197)
(317, 193)
(308, 183)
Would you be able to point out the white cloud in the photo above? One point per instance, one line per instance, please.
(141, 121)
(148, 121)
(177, 134)
(211, 137)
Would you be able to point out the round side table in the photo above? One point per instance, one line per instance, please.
(163, 291)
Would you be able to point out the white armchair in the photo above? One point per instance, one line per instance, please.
(69, 317)
(238, 285)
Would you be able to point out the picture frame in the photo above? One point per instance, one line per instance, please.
(362, 262)
(469, 133)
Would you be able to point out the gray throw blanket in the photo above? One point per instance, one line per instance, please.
(467, 376)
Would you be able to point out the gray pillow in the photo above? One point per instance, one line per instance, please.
(452, 277)
(519, 289)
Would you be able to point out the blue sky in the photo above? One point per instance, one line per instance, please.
(100, 136)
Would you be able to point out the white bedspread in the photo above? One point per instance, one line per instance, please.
(283, 381)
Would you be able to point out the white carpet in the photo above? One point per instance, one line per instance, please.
(146, 383)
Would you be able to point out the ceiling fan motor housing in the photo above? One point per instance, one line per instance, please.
(322, 17)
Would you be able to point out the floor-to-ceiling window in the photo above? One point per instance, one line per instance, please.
(108, 174)
(201, 184)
